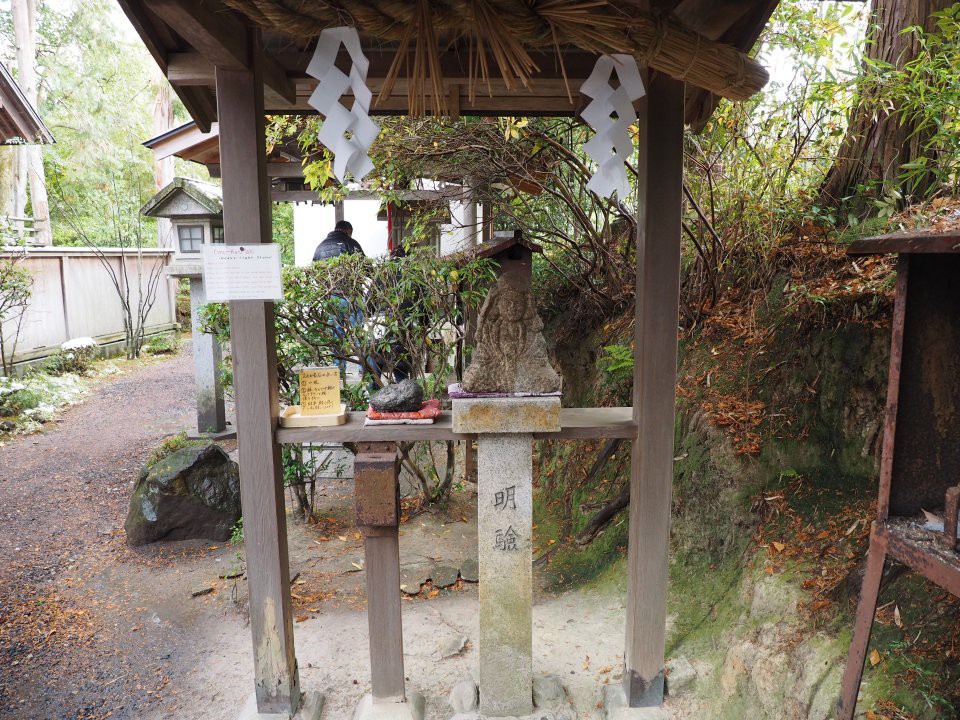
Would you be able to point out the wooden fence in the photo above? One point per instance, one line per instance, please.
(73, 296)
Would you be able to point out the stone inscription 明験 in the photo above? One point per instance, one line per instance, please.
(506, 540)
(506, 498)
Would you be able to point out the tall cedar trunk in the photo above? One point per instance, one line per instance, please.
(25, 32)
(876, 145)
(163, 169)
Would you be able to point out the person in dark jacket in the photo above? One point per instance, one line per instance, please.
(338, 242)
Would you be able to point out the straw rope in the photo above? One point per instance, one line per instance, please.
(506, 30)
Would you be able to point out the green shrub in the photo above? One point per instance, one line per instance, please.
(75, 356)
(162, 344)
(17, 400)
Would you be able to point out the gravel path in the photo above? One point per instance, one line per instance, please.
(63, 495)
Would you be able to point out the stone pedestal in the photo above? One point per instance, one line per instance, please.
(311, 707)
(206, 366)
(505, 428)
(370, 709)
(616, 707)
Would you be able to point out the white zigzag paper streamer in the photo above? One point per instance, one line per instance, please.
(349, 153)
(611, 146)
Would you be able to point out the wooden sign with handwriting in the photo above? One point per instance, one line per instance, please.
(320, 391)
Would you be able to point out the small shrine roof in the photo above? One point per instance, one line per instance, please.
(208, 195)
(498, 245)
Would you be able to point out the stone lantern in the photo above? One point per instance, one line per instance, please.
(195, 210)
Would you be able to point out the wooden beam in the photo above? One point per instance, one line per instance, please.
(190, 68)
(246, 214)
(660, 181)
(220, 37)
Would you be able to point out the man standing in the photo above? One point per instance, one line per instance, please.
(338, 242)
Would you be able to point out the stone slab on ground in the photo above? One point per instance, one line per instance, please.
(506, 415)
(444, 576)
(470, 571)
(310, 709)
(615, 707)
(412, 709)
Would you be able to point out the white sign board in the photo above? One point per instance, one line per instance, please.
(242, 272)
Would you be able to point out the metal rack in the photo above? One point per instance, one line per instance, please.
(920, 464)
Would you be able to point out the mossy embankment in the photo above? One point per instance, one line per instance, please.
(779, 420)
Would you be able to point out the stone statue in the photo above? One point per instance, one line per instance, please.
(511, 354)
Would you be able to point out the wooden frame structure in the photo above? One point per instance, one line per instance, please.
(223, 68)
(920, 464)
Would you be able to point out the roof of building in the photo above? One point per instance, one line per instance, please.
(19, 121)
(187, 39)
(208, 195)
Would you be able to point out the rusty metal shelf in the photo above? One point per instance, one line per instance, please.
(575, 424)
(923, 551)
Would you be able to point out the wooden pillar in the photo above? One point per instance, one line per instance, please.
(660, 190)
(246, 216)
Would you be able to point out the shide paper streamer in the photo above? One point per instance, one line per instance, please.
(349, 153)
(611, 147)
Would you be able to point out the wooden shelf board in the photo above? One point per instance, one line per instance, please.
(576, 424)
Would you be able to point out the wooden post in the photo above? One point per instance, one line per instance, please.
(660, 190)
(246, 215)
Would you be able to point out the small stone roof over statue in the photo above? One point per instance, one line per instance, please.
(501, 244)
(185, 197)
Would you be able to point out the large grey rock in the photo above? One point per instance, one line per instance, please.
(404, 396)
(192, 493)
(511, 354)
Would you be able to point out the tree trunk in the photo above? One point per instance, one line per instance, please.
(877, 145)
(25, 33)
(163, 169)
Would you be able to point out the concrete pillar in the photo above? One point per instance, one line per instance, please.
(206, 367)
(504, 532)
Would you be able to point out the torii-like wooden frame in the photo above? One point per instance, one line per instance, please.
(242, 69)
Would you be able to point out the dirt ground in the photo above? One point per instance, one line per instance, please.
(90, 628)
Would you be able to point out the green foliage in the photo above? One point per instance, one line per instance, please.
(172, 444)
(32, 400)
(15, 402)
(236, 533)
(16, 287)
(78, 361)
(383, 315)
(97, 90)
(925, 94)
(616, 363)
(162, 344)
(283, 232)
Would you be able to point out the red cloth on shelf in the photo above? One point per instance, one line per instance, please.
(429, 411)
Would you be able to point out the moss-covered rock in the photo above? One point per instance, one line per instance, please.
(192, 493)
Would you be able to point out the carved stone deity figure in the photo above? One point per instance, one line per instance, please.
(511, 354)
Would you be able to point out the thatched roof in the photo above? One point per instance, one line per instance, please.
(476, 57)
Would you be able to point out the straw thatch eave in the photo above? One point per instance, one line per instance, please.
(552, 89)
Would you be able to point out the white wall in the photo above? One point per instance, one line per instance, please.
(311, 223)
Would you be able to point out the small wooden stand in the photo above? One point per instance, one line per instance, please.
(292, 418)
